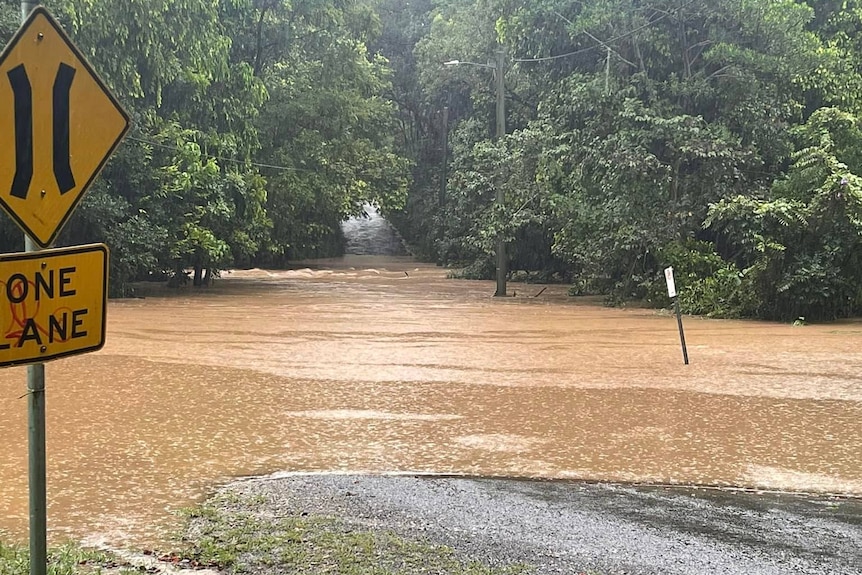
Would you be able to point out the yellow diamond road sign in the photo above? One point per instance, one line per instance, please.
(52, 303)
(58, 126)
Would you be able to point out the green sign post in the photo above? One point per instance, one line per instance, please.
(59, 124)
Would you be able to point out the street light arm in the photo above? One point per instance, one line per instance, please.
(462, 63)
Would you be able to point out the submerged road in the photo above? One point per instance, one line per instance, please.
(381, 365)
(571, 527)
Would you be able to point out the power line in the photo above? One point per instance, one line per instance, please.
(614, 39)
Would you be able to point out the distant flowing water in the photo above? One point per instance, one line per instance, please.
(371, 235)
(369, 364)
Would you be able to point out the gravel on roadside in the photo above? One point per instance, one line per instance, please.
(556, 527)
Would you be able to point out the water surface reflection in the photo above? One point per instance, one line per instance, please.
(391, 367)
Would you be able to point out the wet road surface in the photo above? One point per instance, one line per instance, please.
(380, 365)
(560, 527)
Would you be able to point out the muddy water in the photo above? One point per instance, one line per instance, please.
(389, 367)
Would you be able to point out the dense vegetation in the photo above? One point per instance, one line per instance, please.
(718, 136)
(721, 137)
(258, 125)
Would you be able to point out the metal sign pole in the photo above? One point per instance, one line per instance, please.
(27, 6)
(38, 491)
(36, 431)
(40, 205)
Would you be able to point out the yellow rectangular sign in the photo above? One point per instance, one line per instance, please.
(52, 303)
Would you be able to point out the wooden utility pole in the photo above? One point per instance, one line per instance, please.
(502, 261)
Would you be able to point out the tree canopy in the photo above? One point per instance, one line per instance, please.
(714, 136)
(720, 137)
(258, 126)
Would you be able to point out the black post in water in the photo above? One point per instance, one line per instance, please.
(681, 332)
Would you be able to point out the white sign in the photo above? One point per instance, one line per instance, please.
(671, 287)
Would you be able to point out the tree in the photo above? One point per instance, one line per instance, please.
(170, 64)
(799, 247)
(328, 124)
(640, 116)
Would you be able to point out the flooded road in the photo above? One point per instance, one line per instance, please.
(383, 365)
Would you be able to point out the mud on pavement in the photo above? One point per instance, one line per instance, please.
(569, 527)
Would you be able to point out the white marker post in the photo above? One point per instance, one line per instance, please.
(671, 292)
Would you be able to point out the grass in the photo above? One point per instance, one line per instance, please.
(67, 559)
(237, 535)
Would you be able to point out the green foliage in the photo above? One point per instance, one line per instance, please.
(327, 123)
(837, 80)
(635, 127)
(800, 245)
(258, 126)
(706, 284)
(64, 560)
(236, 533)
(718, 136)
(165, 202)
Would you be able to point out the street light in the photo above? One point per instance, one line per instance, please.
(499, 69)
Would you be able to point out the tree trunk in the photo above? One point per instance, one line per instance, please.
(179, 278)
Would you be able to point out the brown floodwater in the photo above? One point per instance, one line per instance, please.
(383, 365)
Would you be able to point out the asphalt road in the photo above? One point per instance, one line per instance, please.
(570, 527)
